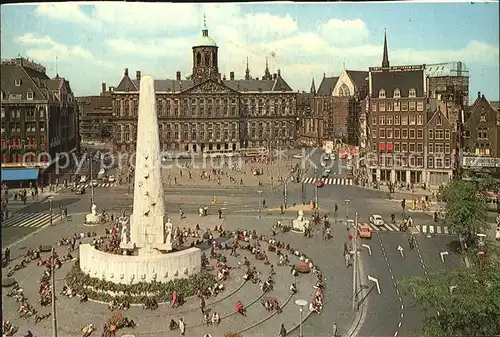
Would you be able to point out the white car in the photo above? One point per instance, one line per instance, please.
(101, 171)
(95, 183)
(83, 179)
(111, 179)
(377, 220)
(298, 156)
(323, 164)
(332, 156)
(328, 171)
(326, 157)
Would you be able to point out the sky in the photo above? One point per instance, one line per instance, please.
(93, 43)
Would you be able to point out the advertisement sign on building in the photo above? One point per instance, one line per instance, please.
(469, 161)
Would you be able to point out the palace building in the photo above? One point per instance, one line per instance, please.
(207, 111)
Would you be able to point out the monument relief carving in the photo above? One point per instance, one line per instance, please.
(210, 87)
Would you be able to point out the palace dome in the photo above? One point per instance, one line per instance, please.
(204, 40)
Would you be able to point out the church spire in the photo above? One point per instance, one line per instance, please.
(267, 73)
(385, 58)
(247, 72)
(313, 87)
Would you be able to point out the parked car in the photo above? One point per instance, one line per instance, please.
(326, 157)
(94, 183)
(298, 156)
(83, 179)
(332, 156)
(111, 179)
(364, 231)
(377, 220)
(319, 183)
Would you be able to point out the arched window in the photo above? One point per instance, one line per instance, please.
(412, 93)
(207, 60)
(381, 93)
(397, 93)
(344, 91)
(198, 59)
(214, 58)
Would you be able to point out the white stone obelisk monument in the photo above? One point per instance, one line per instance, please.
(148, 221)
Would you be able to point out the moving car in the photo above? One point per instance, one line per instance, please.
(101, 171)
(83, 179)
(94, 183)
(364, 231)
(377, 220)
(325, 173)
(326, 157)
(332, 156)
(80, 190)
(319, 183)
(298, 156)
(111, 179)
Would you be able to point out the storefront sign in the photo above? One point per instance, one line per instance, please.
(480, 162)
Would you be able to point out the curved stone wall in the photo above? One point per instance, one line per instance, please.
(134, 269)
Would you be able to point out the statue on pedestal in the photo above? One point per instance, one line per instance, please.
(93, 209)
(125, 238)
(168, 230)
(300, 224)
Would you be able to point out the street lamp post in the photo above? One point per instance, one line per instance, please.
(355, 265)
(347, 201)
(91, 181)
(301, 304)
(260, 203)
(50, 209)
(53, 293)
(316, 196)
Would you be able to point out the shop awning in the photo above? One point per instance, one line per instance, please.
(16, 174)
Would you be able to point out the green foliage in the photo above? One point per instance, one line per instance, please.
(470, 308)
(103, 131)
(98, 289)
(465, 209)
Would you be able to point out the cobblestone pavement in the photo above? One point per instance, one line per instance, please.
(72, 315)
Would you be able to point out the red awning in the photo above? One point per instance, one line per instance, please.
(389, 147)
(382, 147)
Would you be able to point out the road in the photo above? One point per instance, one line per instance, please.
(393, 312)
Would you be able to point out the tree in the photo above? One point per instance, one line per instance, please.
(465, 209)
(103, 131)
(462, 302)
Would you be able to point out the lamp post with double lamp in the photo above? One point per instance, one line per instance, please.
(91, 180)
(301, 304)
(53, 293)
(260, 203)
(347, 201)
(50, 208)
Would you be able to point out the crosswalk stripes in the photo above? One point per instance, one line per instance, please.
(329, 181)
(30, 220)
(424, 229)
(100, 185)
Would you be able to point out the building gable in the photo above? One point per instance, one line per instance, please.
(344, 86)
(438, 114)
(326, 86)
(126, 84)
(210, 87)
(481, 107)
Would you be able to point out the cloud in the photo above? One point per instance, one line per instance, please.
(64, 11)
(44, 48)
(344, 31)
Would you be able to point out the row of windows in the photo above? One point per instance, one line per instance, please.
(439, 134)
(412, 161)
(398, 133)
(397, 93)
(439, 148)
(398, 120)
(411, 147)
(29, 112)
(19, 142)
(398, 106)
(28, 127)
(226, 134)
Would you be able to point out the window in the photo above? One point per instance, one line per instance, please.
(447, 134)
(404, 147)
(412, 120)
(404, 106)
(438, 148)
(420, 134)
(397, 106)
(374, 106)
(396, 147)
(420, 162)
(17, 82)
(431, 134)
(439, 162)
(430, 148)
(404, 120)
(374, 133)
(381, 120)
(412, 133)
(430, 162)
(404, 133)
(439, 120)
(420, 147)
(483, 117)
(389, 133)
(381, 106)
(412, 147)
(381, 93)
(482, 133)
(29, 95)
(374, 120)
(397, 133)
(389, 120)
(420, 120)
(447, 148)
(389, 106)
(412, 105)
(397, 120)
(412, 93)
(381, 133)
(374, 147)
(439, 134)
(447, 161)
(397, 93)
(420, 106)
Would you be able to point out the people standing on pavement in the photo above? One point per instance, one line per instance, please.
(182, 326)
(202, 305)
(283, 331)
(281, 209)
(220, 214)
(7, 254)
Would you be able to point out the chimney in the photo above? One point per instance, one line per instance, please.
(279, 73)
(138, 75)
(103, 88)
(126, 72)
(178, 76)
(231, 76)
(479, 94)
(275, 76)
(482, 96)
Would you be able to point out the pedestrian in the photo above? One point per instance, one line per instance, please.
(66, 212)
(7, 254)
(182, 326)
(263, 203)
(283, 331)
(281, 209)
(220, 214)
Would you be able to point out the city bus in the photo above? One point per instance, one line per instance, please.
(219, 153)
